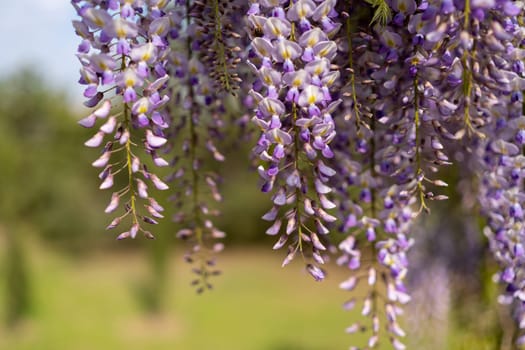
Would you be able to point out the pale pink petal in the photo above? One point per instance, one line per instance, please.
(113, 203)
(109, 126)
(104, 110)
(154, 141)
(134, 230)
(159, 184)
(107, 183)
(142, 189)
(88, 121)
(96, 140)
(102, 161)
(123, 235)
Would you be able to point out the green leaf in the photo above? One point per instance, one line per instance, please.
(382, 12)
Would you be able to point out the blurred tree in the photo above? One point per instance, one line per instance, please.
(18, 299)
(40, 184)
(40, 188)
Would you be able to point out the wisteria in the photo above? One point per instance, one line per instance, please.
(294, 113)
(123, 53)
(358, 108)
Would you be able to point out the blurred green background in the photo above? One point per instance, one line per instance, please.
(67, 284)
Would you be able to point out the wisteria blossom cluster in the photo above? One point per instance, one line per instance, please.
(356, 105)
(196, 125)
(294, 106)
(123, 54)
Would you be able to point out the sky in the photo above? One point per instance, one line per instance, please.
(39, 34)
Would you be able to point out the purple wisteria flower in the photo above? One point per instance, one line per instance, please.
(501, 170)
(293, 92)
(358, 107)
(196, 126)
(122, 58)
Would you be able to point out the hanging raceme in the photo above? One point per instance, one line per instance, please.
(358, 107)
(122, 56)
(292, 61)
(194, 132)
(219, 39)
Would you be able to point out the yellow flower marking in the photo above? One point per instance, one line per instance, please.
(286, 53)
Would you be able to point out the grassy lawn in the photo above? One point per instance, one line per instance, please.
(92, 304)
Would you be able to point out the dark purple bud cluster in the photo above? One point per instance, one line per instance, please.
(219, 39)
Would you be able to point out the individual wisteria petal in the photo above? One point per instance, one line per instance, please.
(271, 215)
(159, 184)
(107, 183)
(277, 28)
(153, 140)
(317, 273)
(134, 230)
(102, 161)
(300, 11)
(109, 126)
(274, 229)
(321, 188)
(398, 345)
(104, 110)
(96, 140)
(93, 101)
(113, 204)
(123, 235)
(349, 284)
(114, 223)
(142, 189)
(89, 121)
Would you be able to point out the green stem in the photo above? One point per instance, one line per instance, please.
(352, 73)
(130, 172)
(193, 138)
(129, 160)
(466, 63)
(467, 90)
(219, 46)
(193, 159)
(373, 166)
(298, 193)
(466, 22)
(417, 126)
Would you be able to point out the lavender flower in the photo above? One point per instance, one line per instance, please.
(196, 128)
(382, 181)
(119, 70)
(354, 124)
(294, 113)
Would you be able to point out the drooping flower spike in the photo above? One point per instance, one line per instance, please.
(358, 106)
(200, 85)
(292, 60)
(123, 56)
(399, 121)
